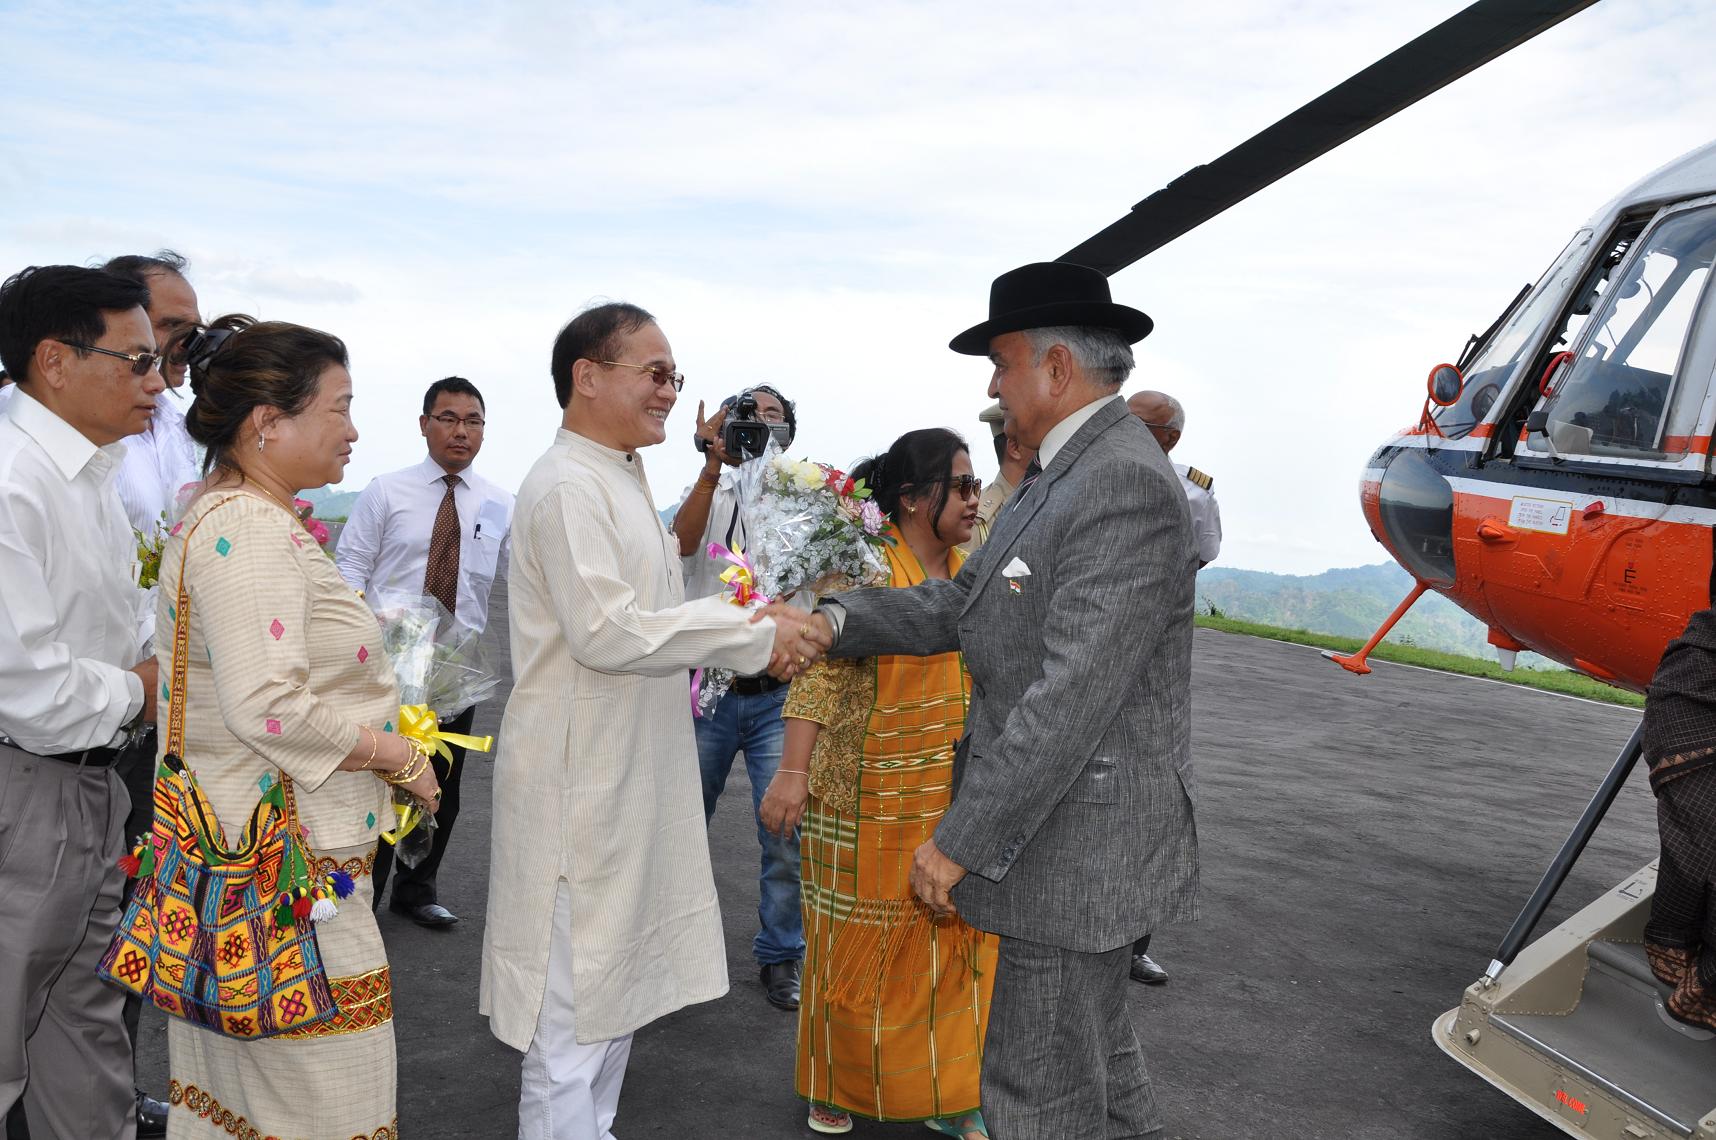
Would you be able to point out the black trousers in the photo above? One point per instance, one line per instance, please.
(137, 771)
(415, 886)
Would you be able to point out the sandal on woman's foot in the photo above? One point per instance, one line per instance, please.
(1669, 963)
(959, 1126)
(830, 1120)
(1692, 1002)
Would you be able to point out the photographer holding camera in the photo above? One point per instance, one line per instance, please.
(748, 719)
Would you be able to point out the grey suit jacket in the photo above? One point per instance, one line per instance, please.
(1073, 802)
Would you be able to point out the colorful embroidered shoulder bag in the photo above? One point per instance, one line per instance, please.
(222, 938)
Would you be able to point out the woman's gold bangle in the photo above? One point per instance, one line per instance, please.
(374, 744)
(415, 765)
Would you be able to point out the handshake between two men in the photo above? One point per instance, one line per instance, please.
(801, 638)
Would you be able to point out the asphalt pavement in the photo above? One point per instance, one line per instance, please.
(1366, 842)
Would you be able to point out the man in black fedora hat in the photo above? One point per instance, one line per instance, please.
(1070, 832)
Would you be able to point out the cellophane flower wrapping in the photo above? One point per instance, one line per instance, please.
(814, 530)
(438, 664)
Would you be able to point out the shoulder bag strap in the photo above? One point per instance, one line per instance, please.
(175, 745)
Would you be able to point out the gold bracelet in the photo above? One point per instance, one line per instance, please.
(794, 771)
(374, 744)
(420, 763)
(415, 765)
(708, 482)
(402, 776)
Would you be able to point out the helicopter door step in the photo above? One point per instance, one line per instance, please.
(1571, 1029)
(1618, 1041)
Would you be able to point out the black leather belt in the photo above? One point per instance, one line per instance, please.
(756, 686)
(88, 758)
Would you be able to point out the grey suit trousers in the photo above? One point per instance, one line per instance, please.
(63, 1045)
(1061, 1059)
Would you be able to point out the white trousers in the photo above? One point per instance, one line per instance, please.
(570, 1091)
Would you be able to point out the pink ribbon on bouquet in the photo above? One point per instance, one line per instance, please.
(740, 577)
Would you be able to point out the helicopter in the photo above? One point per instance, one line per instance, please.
(1557, 485)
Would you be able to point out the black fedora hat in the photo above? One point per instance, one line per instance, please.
(1047, 294)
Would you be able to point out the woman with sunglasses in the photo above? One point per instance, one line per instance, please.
(895, 1002)
(284, 675)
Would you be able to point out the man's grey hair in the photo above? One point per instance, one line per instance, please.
(1103, 354)
(1176, 410)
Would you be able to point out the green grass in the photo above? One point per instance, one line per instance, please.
(1552, 680)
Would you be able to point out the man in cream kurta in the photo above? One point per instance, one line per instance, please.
(602, 910)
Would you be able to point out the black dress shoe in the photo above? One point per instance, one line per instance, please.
(780, 984)
(1145, 969)
(151, 1115)
(432, 915)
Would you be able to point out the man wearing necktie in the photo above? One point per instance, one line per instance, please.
(435, 529)
(1071, 830)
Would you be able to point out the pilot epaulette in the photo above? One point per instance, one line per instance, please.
(1198, 477)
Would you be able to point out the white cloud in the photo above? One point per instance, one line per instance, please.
(819, 195)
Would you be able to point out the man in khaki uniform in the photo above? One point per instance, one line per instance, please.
(1014, 459)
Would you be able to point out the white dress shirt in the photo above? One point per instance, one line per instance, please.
(158, 463)
(1058, 436)
(1206, 517)
(69, 602)
(384, 548)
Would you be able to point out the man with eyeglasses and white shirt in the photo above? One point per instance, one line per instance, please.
(75, 687)
(439, 529)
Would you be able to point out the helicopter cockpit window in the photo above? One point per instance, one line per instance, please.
(1619, 398)
(1488, 373)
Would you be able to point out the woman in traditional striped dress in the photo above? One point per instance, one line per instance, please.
(895, 1001)
(284, 673)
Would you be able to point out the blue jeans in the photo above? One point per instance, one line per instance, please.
(753, 725)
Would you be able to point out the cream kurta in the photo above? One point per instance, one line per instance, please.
(596, 778)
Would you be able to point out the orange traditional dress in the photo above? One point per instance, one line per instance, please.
(895, 1001)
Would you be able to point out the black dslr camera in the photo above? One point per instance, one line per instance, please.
(743, 434)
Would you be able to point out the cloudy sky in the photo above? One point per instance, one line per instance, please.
(818, 195)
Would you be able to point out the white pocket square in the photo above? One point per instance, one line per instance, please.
(1016, 569)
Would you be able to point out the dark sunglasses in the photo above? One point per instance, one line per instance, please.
(195, 345)
(142, 363)
(965, 486)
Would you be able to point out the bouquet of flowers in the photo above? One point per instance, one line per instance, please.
(438, 675)
(149, 555)
(813, 528)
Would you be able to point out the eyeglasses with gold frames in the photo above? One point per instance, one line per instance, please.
(142, 363)
(659, 375)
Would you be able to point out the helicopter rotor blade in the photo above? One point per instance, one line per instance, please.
(1464, 42)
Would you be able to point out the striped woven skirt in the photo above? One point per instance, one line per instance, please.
(894, 1003)
(332, 1081)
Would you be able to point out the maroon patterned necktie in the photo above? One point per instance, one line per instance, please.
(441, 572)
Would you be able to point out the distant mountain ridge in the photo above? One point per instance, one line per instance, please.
(1349, 602)
(331, 502)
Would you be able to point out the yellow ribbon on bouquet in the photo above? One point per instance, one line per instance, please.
(420, 724)
(409, 816)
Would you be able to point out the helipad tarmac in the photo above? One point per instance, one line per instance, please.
(1366, 842)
